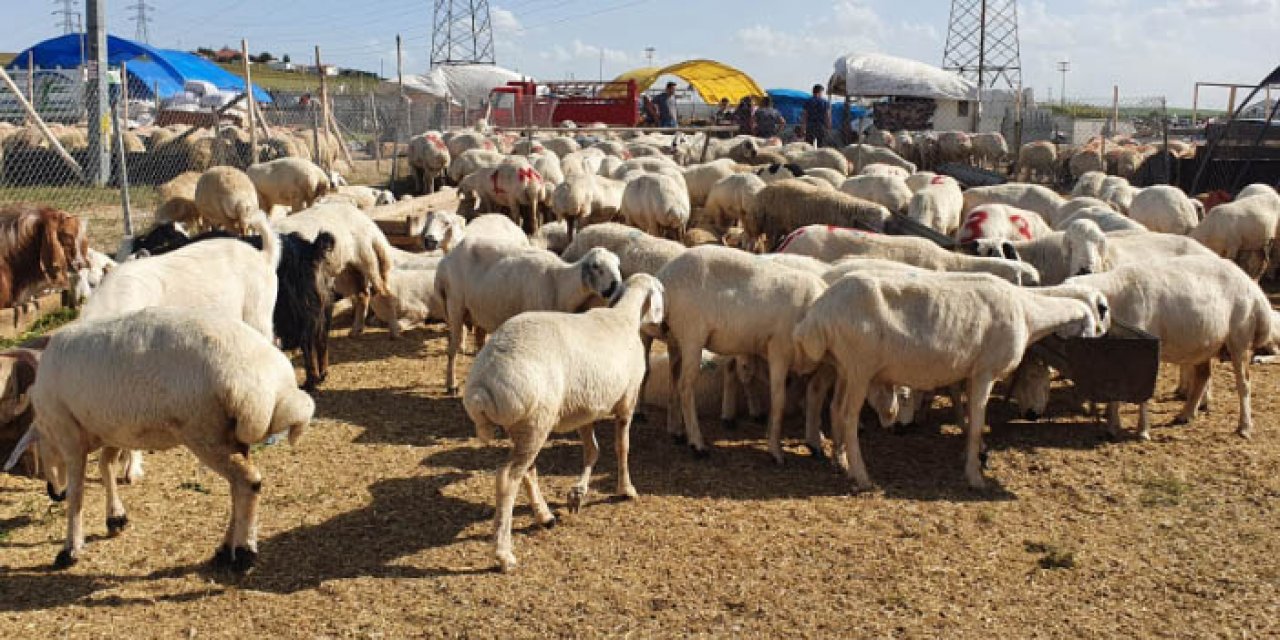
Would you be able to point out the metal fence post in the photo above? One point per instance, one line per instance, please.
(122, 173)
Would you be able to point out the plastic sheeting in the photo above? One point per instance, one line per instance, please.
(469, 83)
(712, 80)
(790, 103)
(149, 67)
(874, 74)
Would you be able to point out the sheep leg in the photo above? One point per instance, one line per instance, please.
(509, 475)
(690, 361)
(132, 473)
(1240, 367)
(393, 313)
(454, 317)
(239, 549)
(1144, 421)
(359, 311)
(1113, 420)
(75, 516)
(979, 393)
(1198, 385)
(673, 400)
(117, 520)
(778, 367)
(590, 455)
(533, 492)
(957, 404)
(746, 367)
(622, 447)
(729, 395)
(816, 392)
(852, 397)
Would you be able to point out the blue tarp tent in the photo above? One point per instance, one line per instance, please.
(790, 103)
(150, 68)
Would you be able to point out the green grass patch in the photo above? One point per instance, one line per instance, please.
(1163, 491)
(77, 197)
(45, 324)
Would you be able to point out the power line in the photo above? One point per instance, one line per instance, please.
(141, 19)
(69, 18)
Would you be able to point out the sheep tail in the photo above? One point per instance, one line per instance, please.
(384, 266)
(270, 241)
(479, 406)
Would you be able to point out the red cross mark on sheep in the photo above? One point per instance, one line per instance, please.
(938, 180)
(973, 225)
(528, 174)
(1021, 224)
(436, 142)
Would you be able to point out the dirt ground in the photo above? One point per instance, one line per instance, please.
(378, 525)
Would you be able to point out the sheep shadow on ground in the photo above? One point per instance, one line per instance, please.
(396, 416)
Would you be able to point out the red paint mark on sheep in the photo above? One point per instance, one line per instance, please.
(973, 225)
(1021, 224)
(528, 174)
(938, 180)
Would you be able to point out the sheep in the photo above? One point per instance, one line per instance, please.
(830, 176)
(484, 283)
(517, 186)
(922, 179)
(414, 290)
(444, 230)
(226, 198)
(1105, 217)
(937, 205)
(468, 162)
(890, 191)
(890, 330)
(545, 372)
(830, 244)
(732, 198)
(879, 169)
(177, 199)
(89, 277)
(989, 149)
(781, 208)
(572, 201)
(1118, 196)
(1089, 184)
(221, 388)
(728, 302)
(1032, 197)
(553, 236)
(295, 183)
(826, 158)
(1256, 189)
(561, 145)
(954, 146)
(460, 143)
(1234, 228)
(1086, 160)
(637, 251)
(861, 155)
(777, 172)
(1081, 248)
(360, 261)
(1037, 161)
(657, 204)
(1197, 306)
(1000, 222)
(1075, 204)
(701, 179)
(363, 198)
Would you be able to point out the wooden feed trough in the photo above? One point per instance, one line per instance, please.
(14, 323)
(402, 222)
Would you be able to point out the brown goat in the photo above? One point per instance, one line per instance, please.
(38, 245)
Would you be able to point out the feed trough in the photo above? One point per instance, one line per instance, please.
(1120, 366)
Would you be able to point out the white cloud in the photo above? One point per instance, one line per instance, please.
(504, 22)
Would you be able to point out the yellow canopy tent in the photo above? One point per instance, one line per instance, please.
(712, 80)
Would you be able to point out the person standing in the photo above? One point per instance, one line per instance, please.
(648, 112)
(769, 121)
(744, 117)
(817, 118)
(666, 103)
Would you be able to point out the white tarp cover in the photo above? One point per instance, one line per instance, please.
(876, 74)
(465, 82)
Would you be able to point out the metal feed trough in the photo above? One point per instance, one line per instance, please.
(1120, 366)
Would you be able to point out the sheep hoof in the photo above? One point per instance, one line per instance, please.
(222, 557)
(816, 452)
(577, 496)
(506, 562)
(451, 391)
(1245, 431)
(984, 459)
(64, 560)
(700, 454)
(1144, 435)
(116, 524)
(1180, 419)
(54, 495)
(728, 424)
(244, 560)
(551, 524)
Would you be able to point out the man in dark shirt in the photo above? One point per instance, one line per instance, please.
(666, 103)
(817, 118)
(769, 121)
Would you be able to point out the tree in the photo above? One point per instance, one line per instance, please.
(205, 52)
(285, 59)
(263, 58)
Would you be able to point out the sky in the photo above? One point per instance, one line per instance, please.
(1147, 47)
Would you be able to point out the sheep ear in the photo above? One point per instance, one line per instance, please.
(1009, 252)
(655, 310)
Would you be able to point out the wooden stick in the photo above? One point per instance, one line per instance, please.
(31, 76)
(324, 103)
(342, 145)
(44, 129)
(248, 90)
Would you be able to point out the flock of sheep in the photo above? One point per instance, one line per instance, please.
(571, 253)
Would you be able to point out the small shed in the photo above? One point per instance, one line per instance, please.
(921, 96)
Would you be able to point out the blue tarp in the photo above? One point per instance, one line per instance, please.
(149, 67)
(790, 103)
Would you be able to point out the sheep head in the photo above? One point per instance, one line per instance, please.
(1086, 247)
(601, 272)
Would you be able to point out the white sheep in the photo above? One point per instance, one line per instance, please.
(1000, 222)
(887, 330)
(468, 162)
(1106, 218)
(1089, 184)
(937, 205)
(954, 146)
(1077, 203)
(1033, 197)
(156, 379)
(861, 155)
(547, 372)
(922, 179)
(177, 199)
(360, 262)
(734, 304)
(561, 145)
(363, 198)
(295, 183)
(890, 191)
(657, 204)
(461, 142)
(831, 244)
(881, 169)
(821, 158)
(1241, 227)
(732, 198)
(1038, 161)
(1197, 306)
(786, 206)
(483, 283)
(637, 251)
(226, 198)
(1056, 256)
(989, 149)
(428, 160)
(1119, 196)
(830, 176)
(701, 179)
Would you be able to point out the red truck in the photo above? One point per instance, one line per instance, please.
(521, 104)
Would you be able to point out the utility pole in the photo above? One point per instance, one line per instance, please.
(141, 18)
(1063, 67)
(99, 106)
(648, 54)
(67, 15)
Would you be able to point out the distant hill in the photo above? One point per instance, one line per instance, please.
(6, 58)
